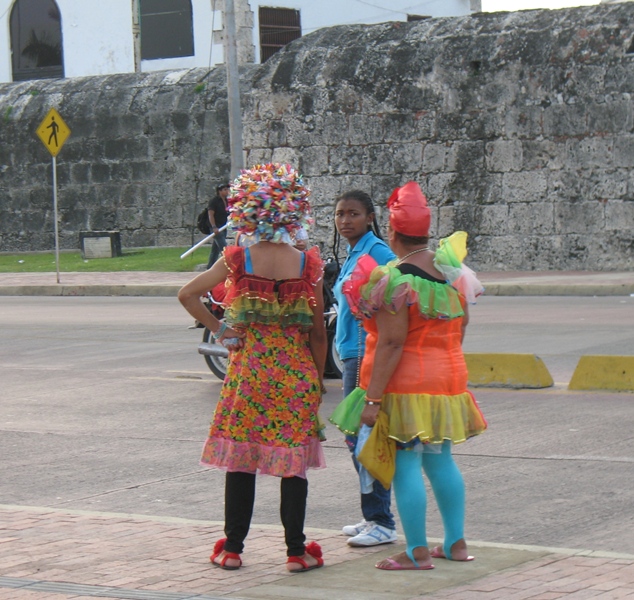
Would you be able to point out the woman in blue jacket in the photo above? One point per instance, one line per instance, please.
(355, 221)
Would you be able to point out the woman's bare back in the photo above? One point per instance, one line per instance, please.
(275, 261)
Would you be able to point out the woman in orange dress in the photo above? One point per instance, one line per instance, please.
(414, 374)
(266, 419)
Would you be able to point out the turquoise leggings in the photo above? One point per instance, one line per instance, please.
(411, 499)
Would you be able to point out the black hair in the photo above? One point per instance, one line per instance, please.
(366, 202)
(411, 240)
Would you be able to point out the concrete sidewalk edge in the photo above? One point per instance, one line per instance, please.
(184, 521)
(167, 290)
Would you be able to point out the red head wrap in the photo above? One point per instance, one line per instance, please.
(409, 213)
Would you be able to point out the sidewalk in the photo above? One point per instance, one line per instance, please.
(145, 283)
(48, 554)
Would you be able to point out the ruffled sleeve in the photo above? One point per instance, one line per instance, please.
(449, 261)
(234, 261)
(314, 266)
(370, 289)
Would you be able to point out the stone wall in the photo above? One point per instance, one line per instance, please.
(518, 126)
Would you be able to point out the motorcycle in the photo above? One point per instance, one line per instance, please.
(216, 356)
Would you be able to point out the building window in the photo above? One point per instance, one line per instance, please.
(36, 40)
(278, 27)
(166, 29)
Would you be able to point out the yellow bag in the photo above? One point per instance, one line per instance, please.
(378, 455)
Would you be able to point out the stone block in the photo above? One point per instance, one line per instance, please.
(445, 222)
(607, 184)
(365, 129)
(610, 117)
(346, 159)
(142, 171)
(435, 157)
(579, 217)
(314, 161)
(100, 173)
(494, 220)
(382, 187)
(590, 152)
(619, 216)
(524, 186)
(254, 135)
(286, 155)
(80, 173)
(257, 156)
(276, 133)
(535, 218)
(466, 157)
(565, 120)
(624, 151)
(504, 155)
(425, 125)
(407, 157)
(542, 154)
(324, 190)
(378, 159)
(399, 128)
(439, 187)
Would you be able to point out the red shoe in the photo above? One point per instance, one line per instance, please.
(314, 549)
(218, 550)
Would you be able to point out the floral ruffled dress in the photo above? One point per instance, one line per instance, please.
(266, 418)
(426, 398)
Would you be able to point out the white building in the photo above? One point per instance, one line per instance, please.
(71, 38)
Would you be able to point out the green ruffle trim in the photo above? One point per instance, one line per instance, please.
(389, 288)
(347, 416)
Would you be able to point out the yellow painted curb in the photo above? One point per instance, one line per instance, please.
(507, 370)
(604, 373)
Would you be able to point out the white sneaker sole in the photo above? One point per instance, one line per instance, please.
(351, 542)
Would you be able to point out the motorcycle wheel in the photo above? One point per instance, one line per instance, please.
(334, 365)
(216, 364)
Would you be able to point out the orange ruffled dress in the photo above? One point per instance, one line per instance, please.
(266, 418)
(426, 398)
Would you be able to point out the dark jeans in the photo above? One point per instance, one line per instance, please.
(239, 499)
(218, 245)
(375, 506)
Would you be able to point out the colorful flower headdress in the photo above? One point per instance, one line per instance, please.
(269, 202)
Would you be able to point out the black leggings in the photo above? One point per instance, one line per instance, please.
(239, 500)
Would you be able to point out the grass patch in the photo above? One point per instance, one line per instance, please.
(138, 259)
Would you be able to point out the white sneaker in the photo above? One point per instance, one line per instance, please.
(373, 535)
(356, 529)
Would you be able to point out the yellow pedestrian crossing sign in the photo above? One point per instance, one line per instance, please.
(53, 132)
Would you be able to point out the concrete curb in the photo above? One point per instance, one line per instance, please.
(149, 290)
(168, 290)
(540, 289)
(613, 373)
(517, 371)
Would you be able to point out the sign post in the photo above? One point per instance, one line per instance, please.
(54, 132)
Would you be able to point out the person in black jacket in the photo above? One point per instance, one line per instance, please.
(217, 211)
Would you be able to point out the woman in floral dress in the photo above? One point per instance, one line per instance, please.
(266, 419)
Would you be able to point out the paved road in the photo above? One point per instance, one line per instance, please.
(105, 405)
